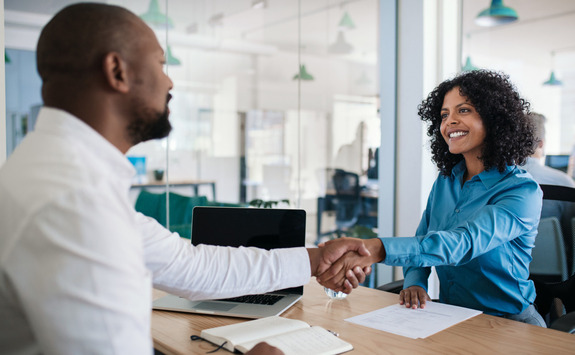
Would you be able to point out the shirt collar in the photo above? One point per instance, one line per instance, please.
(58, 122)
(488, 177)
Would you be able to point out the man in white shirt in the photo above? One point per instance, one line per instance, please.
(76, 261)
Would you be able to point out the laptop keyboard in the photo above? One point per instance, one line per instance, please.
(256, 299)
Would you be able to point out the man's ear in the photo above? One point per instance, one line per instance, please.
(115, 72)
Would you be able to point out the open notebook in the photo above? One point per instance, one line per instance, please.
(266, 228)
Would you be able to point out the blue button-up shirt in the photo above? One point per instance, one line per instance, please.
(479, 236)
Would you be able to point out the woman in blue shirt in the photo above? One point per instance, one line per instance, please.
(482, 214)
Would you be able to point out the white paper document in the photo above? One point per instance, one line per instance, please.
(414, 323)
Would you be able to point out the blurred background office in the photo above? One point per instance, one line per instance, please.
(273, 97)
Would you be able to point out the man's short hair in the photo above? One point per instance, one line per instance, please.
(75, 40)
(538, 122)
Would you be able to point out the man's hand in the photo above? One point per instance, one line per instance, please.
(264, 348)
(414, 297)
(350, 264)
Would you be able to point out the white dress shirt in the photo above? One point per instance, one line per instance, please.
(77, 262)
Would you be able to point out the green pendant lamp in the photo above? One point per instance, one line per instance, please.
(346, 23)
(7, 59)
(155, 17)
(303, 74)
(170, 59)
(468, 65)
(496, 14)
(553, 81)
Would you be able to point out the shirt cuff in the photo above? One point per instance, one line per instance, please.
(297, 265)
(416, 277)
(402, 251)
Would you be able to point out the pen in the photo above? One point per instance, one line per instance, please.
(332, 332)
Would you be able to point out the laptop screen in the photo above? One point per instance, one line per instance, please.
(266, 228)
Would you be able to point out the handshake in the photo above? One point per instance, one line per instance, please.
(343, 263)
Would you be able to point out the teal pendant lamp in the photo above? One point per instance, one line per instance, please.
(553, 81)
(346, 23)
(303, 74)
(7, 59)
(170, 59)
(496, 14)
(468, 65)
(155, 17)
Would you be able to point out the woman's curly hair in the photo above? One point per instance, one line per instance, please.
(509, 136)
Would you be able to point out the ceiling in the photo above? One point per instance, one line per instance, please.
(543, 26)
(276, 25)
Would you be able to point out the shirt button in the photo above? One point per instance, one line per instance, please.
(457, 210)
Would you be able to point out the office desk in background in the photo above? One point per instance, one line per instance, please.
(369, 207)
(195, 184)
(482, 334)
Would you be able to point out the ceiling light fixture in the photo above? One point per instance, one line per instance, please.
(170, 59)
(495, 15)
(468, 65)
(553, 81)
(340, 46)
(216, 20)
(346, 23)
(155, 17)
(259, 4)
(363, 79)
(303, 74)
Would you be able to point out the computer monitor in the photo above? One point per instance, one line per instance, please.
(559, 162)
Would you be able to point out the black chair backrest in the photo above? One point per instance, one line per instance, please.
(564, 194)
(565, 290)
(346, 183)
(558, 193)
(347, 198)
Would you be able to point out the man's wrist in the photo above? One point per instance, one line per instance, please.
(313, 254)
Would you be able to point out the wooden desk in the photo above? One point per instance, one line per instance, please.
(479, 335)
(195, 184)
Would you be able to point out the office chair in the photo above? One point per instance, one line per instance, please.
(393, 286)
(547, 293)
(154, 205)
(565, 194)
(571, 255)
(347, 200)
(549, 260)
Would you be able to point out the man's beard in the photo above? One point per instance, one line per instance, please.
(148, 124)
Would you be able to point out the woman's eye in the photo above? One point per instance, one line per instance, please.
(444, 116)
(463, 109)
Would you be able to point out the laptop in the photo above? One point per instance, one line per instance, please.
(266, 228)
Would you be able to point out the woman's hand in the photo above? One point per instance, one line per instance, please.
(414, 297)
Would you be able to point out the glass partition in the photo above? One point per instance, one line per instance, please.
(269, 99)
